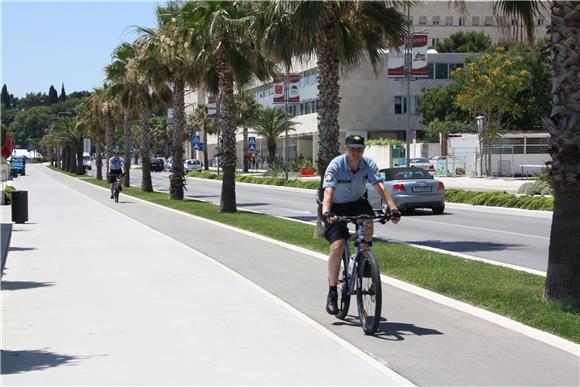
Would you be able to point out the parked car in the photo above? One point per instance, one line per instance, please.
(411, 188)
(419, 162)
(168, 164)
(156, 165)
(192, 165)
(87, 163)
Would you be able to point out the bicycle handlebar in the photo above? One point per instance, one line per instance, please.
(381, 217)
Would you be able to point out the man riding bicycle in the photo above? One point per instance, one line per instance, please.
(116, 168)
(345, 195)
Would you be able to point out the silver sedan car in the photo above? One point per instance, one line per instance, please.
(410, 188)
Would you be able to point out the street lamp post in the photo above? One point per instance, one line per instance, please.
(480, 125)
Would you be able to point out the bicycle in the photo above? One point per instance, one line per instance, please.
(117, 188)
(360, 275)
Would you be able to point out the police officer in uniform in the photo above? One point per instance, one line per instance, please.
(345, 195)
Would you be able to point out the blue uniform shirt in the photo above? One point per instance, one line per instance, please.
(116, 163)
(350, 186)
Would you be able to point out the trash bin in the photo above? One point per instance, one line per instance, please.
(19, 206)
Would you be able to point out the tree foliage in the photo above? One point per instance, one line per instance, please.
(5, 97)
(62, 96)
(470, 41)
(52, 96)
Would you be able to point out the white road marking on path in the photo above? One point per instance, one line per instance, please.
(475, 228)
(545, 337)
(375, 363)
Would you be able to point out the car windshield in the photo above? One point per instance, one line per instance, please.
(419, 160)
(405, 174)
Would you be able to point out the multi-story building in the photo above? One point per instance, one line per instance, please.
(374, 105)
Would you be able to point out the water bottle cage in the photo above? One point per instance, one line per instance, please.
(368, 243)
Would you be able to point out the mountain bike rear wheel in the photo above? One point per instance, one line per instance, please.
(369, 292)
(343, 293)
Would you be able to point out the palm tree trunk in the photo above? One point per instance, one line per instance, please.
(228, 157)
(127, 141)
(80, 169)
(146, 184)
(328, 89)
(245, 152)
(563, 275)
(108, 136)
(99, 159)
(177, 177)
(272, 145)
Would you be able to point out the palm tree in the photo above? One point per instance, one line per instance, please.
(228, 53)
(340, 34)
(175, 47)
(271, 123)
(201, 123)
(246, 111)
(96, 115)
(563, 274)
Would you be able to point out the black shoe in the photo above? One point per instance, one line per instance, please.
(112, 196)
(331, 303)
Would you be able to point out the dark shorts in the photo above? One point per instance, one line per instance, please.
(336, 231)
(114, 173)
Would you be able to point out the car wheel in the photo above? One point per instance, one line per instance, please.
(438, 210)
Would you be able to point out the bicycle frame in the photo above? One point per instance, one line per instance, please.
(351, 271)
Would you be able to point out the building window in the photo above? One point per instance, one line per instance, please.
(400, 104)
(414, 104)
(435, 42)
(435, 20)
(423, 20)
(448, 20)
(461, 21)
(441, 71)
(541, 22)
(515, 22)
(430, 71)
(475, 21)
(488, 20)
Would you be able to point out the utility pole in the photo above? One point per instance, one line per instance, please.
(408, 70)
(286, 123)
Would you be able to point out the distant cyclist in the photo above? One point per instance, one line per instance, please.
(115, 169)
(345, 195)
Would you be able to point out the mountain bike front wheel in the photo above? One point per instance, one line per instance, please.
(343, 293)
(369, 292)
(117, 191)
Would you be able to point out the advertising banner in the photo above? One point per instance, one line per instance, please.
(278, 89)
(396, 60)
(419, 65)
(212, 106)
(396, 67)
(293, 88)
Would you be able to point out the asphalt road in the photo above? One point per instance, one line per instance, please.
(509, 237)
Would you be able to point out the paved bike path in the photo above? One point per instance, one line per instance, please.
(427, 343)
(92, 297)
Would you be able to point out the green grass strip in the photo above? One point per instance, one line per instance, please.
(515, 294)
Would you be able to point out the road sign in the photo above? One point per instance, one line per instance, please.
(116, 148)
(197, 146)
(252, 143)
(194, 138)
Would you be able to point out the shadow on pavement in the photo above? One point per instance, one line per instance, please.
(19, 285)
(306, 218)
(21, 248)
(14, 362)
(391, 331)
(464, 246)
(251, 204)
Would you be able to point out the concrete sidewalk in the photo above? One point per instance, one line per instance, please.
(159, 311)
(92, 297)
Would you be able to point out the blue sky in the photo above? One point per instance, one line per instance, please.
(47, 43)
